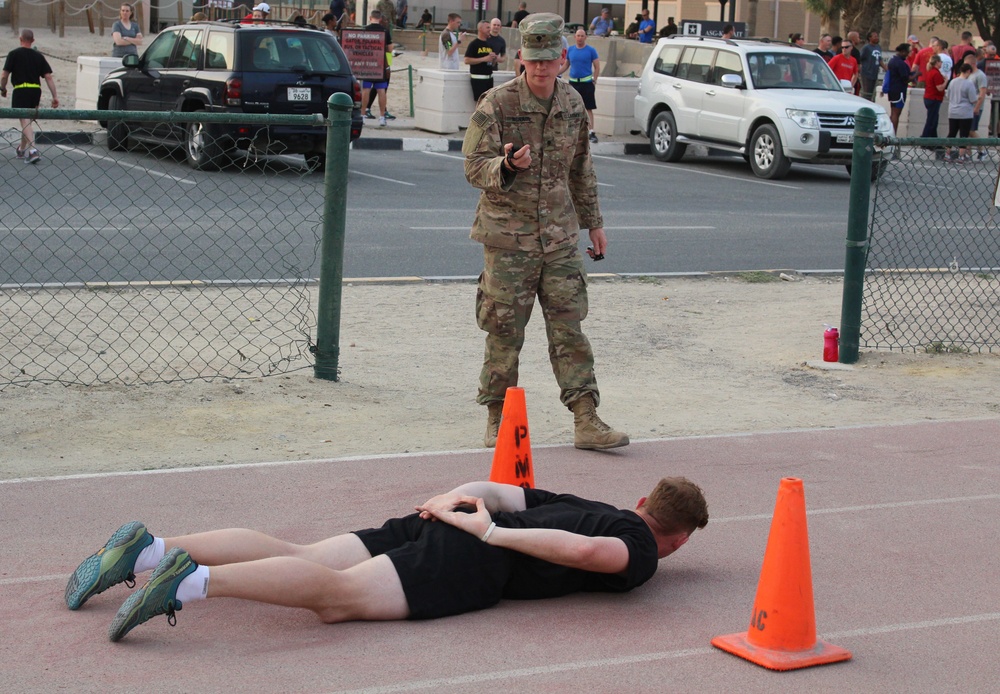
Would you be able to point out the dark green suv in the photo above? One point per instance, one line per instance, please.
(232, 67)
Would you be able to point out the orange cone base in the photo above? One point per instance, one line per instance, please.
(821, 653)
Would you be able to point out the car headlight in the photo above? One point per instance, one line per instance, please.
(882, 123)
(805, 119)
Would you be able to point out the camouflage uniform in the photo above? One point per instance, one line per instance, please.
(529, 225)
(388, 10)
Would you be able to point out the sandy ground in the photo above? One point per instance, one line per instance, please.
(675, 357)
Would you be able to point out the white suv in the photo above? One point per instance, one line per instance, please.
(771, 103)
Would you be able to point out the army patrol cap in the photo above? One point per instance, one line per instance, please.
(541, 36)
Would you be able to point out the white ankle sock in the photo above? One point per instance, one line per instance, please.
(150, 556)
(194, 586)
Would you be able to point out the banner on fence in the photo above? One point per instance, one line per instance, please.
(365, 52)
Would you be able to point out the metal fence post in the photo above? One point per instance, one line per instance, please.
(331, 279)
(857, 235)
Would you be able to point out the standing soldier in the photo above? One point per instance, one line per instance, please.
(28, 68)
(527, 149)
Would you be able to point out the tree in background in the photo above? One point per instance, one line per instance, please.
(985, 14)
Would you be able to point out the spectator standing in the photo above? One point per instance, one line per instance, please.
(522, 12)
(670, 29)
(602, 24)
(584, 67)
(449, 42)
(915, 48)
(964, 45)
(923, 57)
(855, 39)
(647, 28)
(844, 66)
(728, 31)
(125, 33)
(962, 98)
(934, 86)
(947, 64)
(330, 22)
(402, 13)
(380, 86)
(527, 149)
(26, 68)
(989, 53)
(796, 39)
(632, 30)
(497, 41)
(871, 61)
(338, 8)
(823, 48)
(897, 81)
(980, 82)
(480, 58)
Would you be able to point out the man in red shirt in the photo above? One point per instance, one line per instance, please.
(923, 55)
(844, 66)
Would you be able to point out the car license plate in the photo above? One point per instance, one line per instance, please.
(845, 139)
(299, 94)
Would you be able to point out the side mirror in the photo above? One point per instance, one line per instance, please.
(847, 86)
(131, 60)
(732, 81)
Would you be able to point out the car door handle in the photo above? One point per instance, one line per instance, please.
(156, 82)
(710, 92)
(676, 85)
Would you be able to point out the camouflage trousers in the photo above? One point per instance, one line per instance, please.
(507, 289)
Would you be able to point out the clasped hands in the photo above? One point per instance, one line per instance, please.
(451, 509)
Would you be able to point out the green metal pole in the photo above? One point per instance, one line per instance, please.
(409, 73)
(857, 235)
(331, 275)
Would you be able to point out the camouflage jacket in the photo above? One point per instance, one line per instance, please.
(543, 208)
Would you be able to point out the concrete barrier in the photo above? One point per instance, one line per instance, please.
(615, 110)
(442, 99)
(90, 72)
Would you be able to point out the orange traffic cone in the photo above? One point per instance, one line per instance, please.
(512, 455)
(782, 634)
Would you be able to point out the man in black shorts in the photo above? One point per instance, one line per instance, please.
(481, 59)
(463, 550)
(26, 68)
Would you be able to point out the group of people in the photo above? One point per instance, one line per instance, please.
(527, 150)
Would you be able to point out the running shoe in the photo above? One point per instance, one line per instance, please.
(593, 137)
(368, 114)
(389, 116)
(158, 596)
(110, 565)
(381, 122)
(981, 156)
(20, 152)
(33, 156)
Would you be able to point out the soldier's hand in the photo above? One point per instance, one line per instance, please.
(519, 160)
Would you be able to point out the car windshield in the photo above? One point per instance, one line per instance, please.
(805, 70)
(278, 51)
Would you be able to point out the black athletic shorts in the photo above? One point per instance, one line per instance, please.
(444, 570)
(586, 91)
(25, 97)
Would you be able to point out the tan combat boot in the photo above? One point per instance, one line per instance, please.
(591, 433)
(493, 424)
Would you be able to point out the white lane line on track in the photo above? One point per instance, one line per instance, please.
(870, 507)
(692, 170)
(126, 165)
(648, 657)
(381, 178)
(446, 156)
(33, 579)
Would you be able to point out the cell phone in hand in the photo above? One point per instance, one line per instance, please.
(594, 256)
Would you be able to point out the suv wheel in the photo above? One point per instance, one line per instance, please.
(663, 138)
(117, 129)
(767, 159)
(202, 149)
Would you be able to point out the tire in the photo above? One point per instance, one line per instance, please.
(316, 163)
(767, 158)
(117, 129)
(878, 168)
(201, 149)
(663, 138)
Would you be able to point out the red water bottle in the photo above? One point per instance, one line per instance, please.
(831, 343)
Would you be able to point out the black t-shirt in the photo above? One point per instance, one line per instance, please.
(498, 43)
(26, 65)
(477, 49)
(532, 578)
(519, 15)
(825, 55)
(375, 26)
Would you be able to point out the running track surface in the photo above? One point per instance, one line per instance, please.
(903, 528)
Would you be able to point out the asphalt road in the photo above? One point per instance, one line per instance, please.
(88, 215)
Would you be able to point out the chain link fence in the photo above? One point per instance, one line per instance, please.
(133, 267)
(932, 280)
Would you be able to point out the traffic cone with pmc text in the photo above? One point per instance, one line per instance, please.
(782, 633)
(512, 462)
